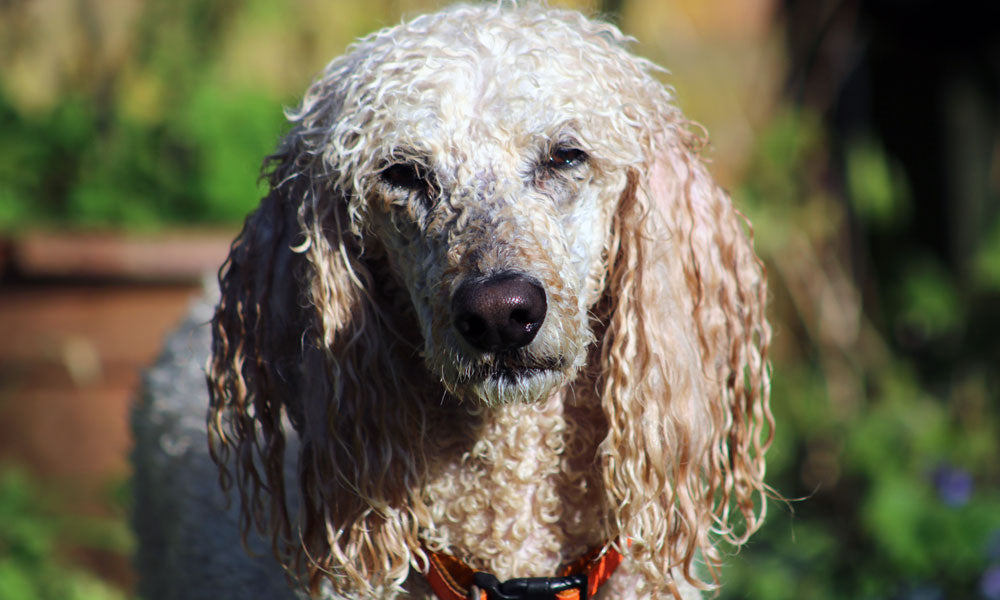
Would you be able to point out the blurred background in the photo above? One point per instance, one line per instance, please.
(861, 137)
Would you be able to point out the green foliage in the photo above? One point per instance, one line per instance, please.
(875, 188)
(774, 197)
(198, 164)
(30, 531)
(162, 142)
(39, 163)
(927, 300)
(890, 466)
(987, 259)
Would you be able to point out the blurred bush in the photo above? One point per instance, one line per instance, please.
(32, 534)
(157, 113)
(196, 164)
(890, 467)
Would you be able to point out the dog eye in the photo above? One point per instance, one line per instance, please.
(408, 176)
(565, 158)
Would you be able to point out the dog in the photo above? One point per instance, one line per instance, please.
(494, 319)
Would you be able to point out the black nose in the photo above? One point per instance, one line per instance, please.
(503, 312)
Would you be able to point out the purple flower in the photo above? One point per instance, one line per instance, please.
(954, 485)
(989, 584)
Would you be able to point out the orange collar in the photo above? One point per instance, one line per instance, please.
(451, 579)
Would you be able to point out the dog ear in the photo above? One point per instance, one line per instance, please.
(686, 381)
(252, 370)
(298, 332)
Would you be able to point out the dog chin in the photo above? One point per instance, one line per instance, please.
(516, 386)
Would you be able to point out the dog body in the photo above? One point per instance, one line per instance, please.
(493, 307)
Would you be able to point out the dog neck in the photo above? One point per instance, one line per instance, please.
(522, 494)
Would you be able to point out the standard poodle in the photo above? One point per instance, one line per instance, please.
(493, 331)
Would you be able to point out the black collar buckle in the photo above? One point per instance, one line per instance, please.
(529, 588)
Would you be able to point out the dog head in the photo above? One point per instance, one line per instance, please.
(490, 204)
(486, 163)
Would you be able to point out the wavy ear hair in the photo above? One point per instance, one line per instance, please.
(685, 380)
(299, 337)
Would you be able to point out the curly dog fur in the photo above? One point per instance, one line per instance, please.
(446, 182)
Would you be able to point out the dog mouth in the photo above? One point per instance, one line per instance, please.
(511, 368)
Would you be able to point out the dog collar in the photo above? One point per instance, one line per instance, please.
(452, 579)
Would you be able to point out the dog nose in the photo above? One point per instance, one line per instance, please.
(503, 312)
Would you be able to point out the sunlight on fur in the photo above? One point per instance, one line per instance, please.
(507, 311)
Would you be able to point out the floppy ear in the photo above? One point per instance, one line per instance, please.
(298, 333)
(686, 383)
(252, 373)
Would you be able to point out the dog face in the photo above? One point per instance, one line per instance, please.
(515, 184)
(492, 193)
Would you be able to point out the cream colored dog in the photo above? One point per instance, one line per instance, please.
(507, 313)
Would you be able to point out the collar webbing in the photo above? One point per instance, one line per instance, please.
(450, 578)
